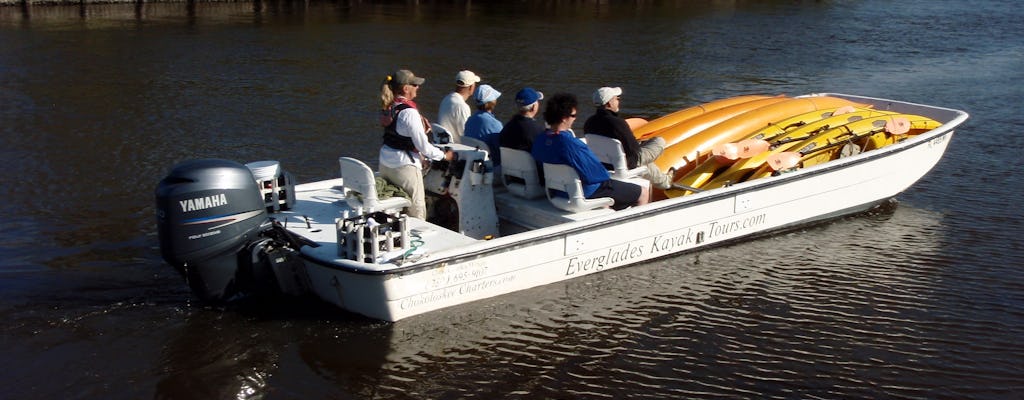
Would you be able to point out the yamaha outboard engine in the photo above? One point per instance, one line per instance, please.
(209, 214)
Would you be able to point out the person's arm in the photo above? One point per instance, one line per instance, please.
(585, 162)
(629, 144)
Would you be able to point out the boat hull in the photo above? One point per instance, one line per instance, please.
(385, 265)
(503, 265)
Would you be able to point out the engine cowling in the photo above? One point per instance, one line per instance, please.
(208, 211)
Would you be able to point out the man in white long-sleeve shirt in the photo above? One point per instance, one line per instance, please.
(454, 110)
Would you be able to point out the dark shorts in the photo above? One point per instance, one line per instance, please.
(625, 194)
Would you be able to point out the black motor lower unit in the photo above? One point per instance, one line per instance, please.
(214, 229)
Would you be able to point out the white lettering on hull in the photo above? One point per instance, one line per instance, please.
(462, 289)
(662, 244)
(453, 282)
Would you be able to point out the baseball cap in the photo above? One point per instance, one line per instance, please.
(465, 78)
(406, 77)
(486, 94)
(603, 95)
(528, 96)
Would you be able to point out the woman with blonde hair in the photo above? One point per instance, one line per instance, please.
(405, 139)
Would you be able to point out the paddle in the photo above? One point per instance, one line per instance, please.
(752, 147)
(729, 151)
(679, 186)
(789, 159)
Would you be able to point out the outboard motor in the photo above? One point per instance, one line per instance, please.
(214, 229)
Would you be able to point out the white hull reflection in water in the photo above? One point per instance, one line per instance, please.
(389, 266)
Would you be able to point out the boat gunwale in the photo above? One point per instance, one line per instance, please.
(667, 205)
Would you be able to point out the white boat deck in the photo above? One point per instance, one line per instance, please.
(322, 203)
(319, 205)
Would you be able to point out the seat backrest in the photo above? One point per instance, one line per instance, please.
(474, 142)
(440, 134)
(563, 178)
(519, 173)
(609, 152)
(359, 177)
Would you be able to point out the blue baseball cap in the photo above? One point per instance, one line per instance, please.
(528, 96)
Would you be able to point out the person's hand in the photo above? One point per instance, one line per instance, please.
(449, 154)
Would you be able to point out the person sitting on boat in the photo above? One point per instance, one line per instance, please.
(558, 145)
(483, 124)
(405, 139)
(606, 122)
(454, 110)
(520, 130)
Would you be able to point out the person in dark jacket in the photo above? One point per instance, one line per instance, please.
(606, 122)
(519, 131)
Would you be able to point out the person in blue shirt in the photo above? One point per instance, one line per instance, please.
(483, 124)
(558, 145)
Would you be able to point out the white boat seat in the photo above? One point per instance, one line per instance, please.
(474, 142)
(563, 178)
(609, 152)
(357, 177)
(440, 135)
(519, 173)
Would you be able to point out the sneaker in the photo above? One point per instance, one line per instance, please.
(662, 181)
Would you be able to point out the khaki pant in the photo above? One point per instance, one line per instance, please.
(410, 179)
(649, 151)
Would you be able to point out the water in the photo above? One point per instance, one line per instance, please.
(922, 298)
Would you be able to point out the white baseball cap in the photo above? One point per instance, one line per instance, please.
(465, 78)
(603, 95)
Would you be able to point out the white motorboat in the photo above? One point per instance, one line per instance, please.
(234, 229)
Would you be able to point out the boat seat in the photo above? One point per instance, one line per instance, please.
(609, 152)
(519, 173)
(563, 178)
(474, 142)
(357, 177)
(439, 134)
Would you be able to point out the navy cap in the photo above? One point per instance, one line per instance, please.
(528, 96)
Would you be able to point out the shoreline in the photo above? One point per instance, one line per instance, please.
(4, 3)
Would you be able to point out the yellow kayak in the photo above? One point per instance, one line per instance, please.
(655, 126)
(678, 132)
(848, 140)
(686, 154)
(740, 168)
(755, 143)
(855, 137)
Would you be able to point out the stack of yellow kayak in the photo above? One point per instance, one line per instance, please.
(749, 137)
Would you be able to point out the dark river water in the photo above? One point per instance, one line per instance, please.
(922, 298)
